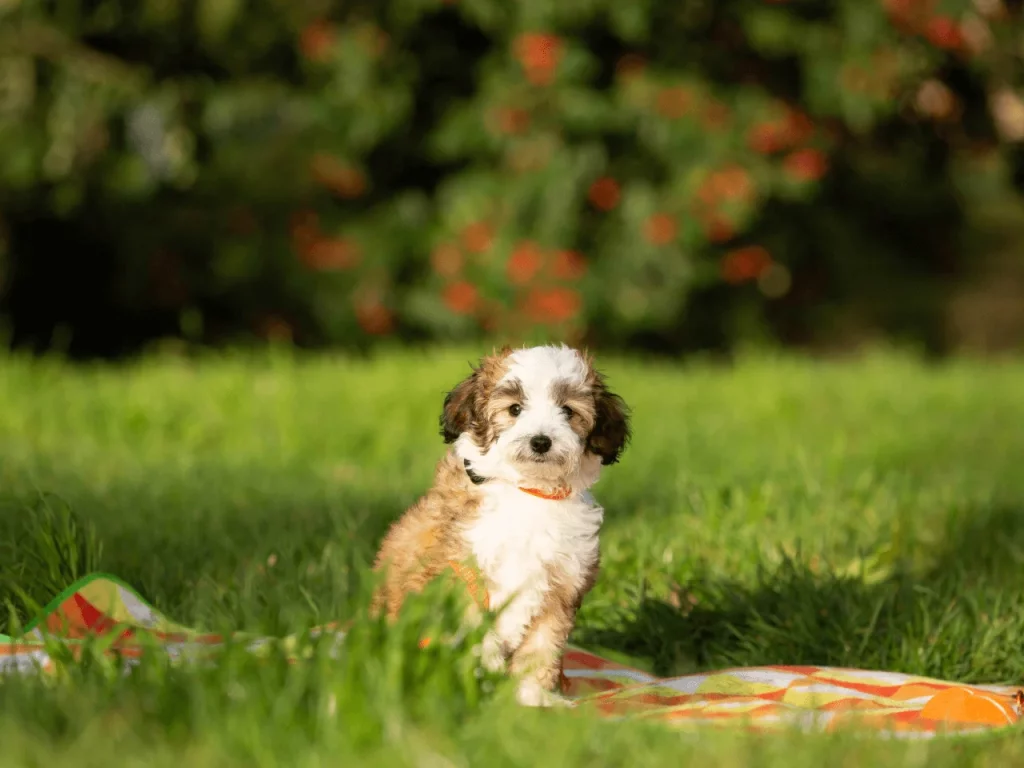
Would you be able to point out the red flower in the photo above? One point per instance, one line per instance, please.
(717, 228)
(524, 263)
(674, 102)
(731, 182)
(604, 193)
(539, 54)
(806, 164)
(765, 138)
(331, 254)
(908, 14)
(745, 263)
(317, 40)
(446, 260)
(776, 135)
(304, 227)
(344, 180)
(511, 120)
(553, 305)
(630, 65)
(569, 265)
(477, 237)
(660, 229)
(798, 127)
(374, 318)
(461, 297)
(945, 33)
(715, 116)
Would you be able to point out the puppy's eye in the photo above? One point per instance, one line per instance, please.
(515, 410)
(569, 413)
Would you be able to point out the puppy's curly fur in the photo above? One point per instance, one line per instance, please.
(530, 432)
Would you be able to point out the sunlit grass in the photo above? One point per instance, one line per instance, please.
(861, 513)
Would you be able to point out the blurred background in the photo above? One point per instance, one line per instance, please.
(663, 176)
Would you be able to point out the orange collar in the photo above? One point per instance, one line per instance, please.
(559, 494)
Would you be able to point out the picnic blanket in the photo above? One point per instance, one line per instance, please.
(814, 698)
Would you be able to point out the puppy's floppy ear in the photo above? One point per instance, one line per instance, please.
(459, 408)
(611, 426)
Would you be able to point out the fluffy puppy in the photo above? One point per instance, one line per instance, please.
(530, 431)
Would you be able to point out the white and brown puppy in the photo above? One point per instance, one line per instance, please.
(531, 430)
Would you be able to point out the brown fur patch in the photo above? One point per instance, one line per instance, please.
(611, 430)
(496, 410)
(540, 653)
(579, 398)
(421, 543)
(465, 407)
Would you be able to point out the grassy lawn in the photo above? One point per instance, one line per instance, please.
(865, 513)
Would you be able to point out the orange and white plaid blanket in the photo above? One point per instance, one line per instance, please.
(814, 698)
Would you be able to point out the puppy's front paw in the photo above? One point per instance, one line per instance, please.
(492, 654)
(531, 693)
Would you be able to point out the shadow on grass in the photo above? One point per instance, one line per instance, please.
(280, 562)
(961, 617)
(289, 558)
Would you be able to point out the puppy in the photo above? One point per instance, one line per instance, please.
(530, 431)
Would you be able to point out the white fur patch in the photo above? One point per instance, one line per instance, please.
(531, 694)
(514, 539)
(516, 536)
(537, 367)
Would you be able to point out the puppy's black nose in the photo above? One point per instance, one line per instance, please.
(540, 443)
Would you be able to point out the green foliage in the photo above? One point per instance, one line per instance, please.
(595, 170)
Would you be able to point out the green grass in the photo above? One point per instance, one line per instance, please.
(865, 513)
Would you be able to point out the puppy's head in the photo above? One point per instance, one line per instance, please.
(539, 414)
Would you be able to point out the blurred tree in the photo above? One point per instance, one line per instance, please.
(660, 175)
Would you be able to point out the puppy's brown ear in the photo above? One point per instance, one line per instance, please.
(611, 426)
(459, 408)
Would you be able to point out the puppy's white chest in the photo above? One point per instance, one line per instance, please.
(518, 538)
